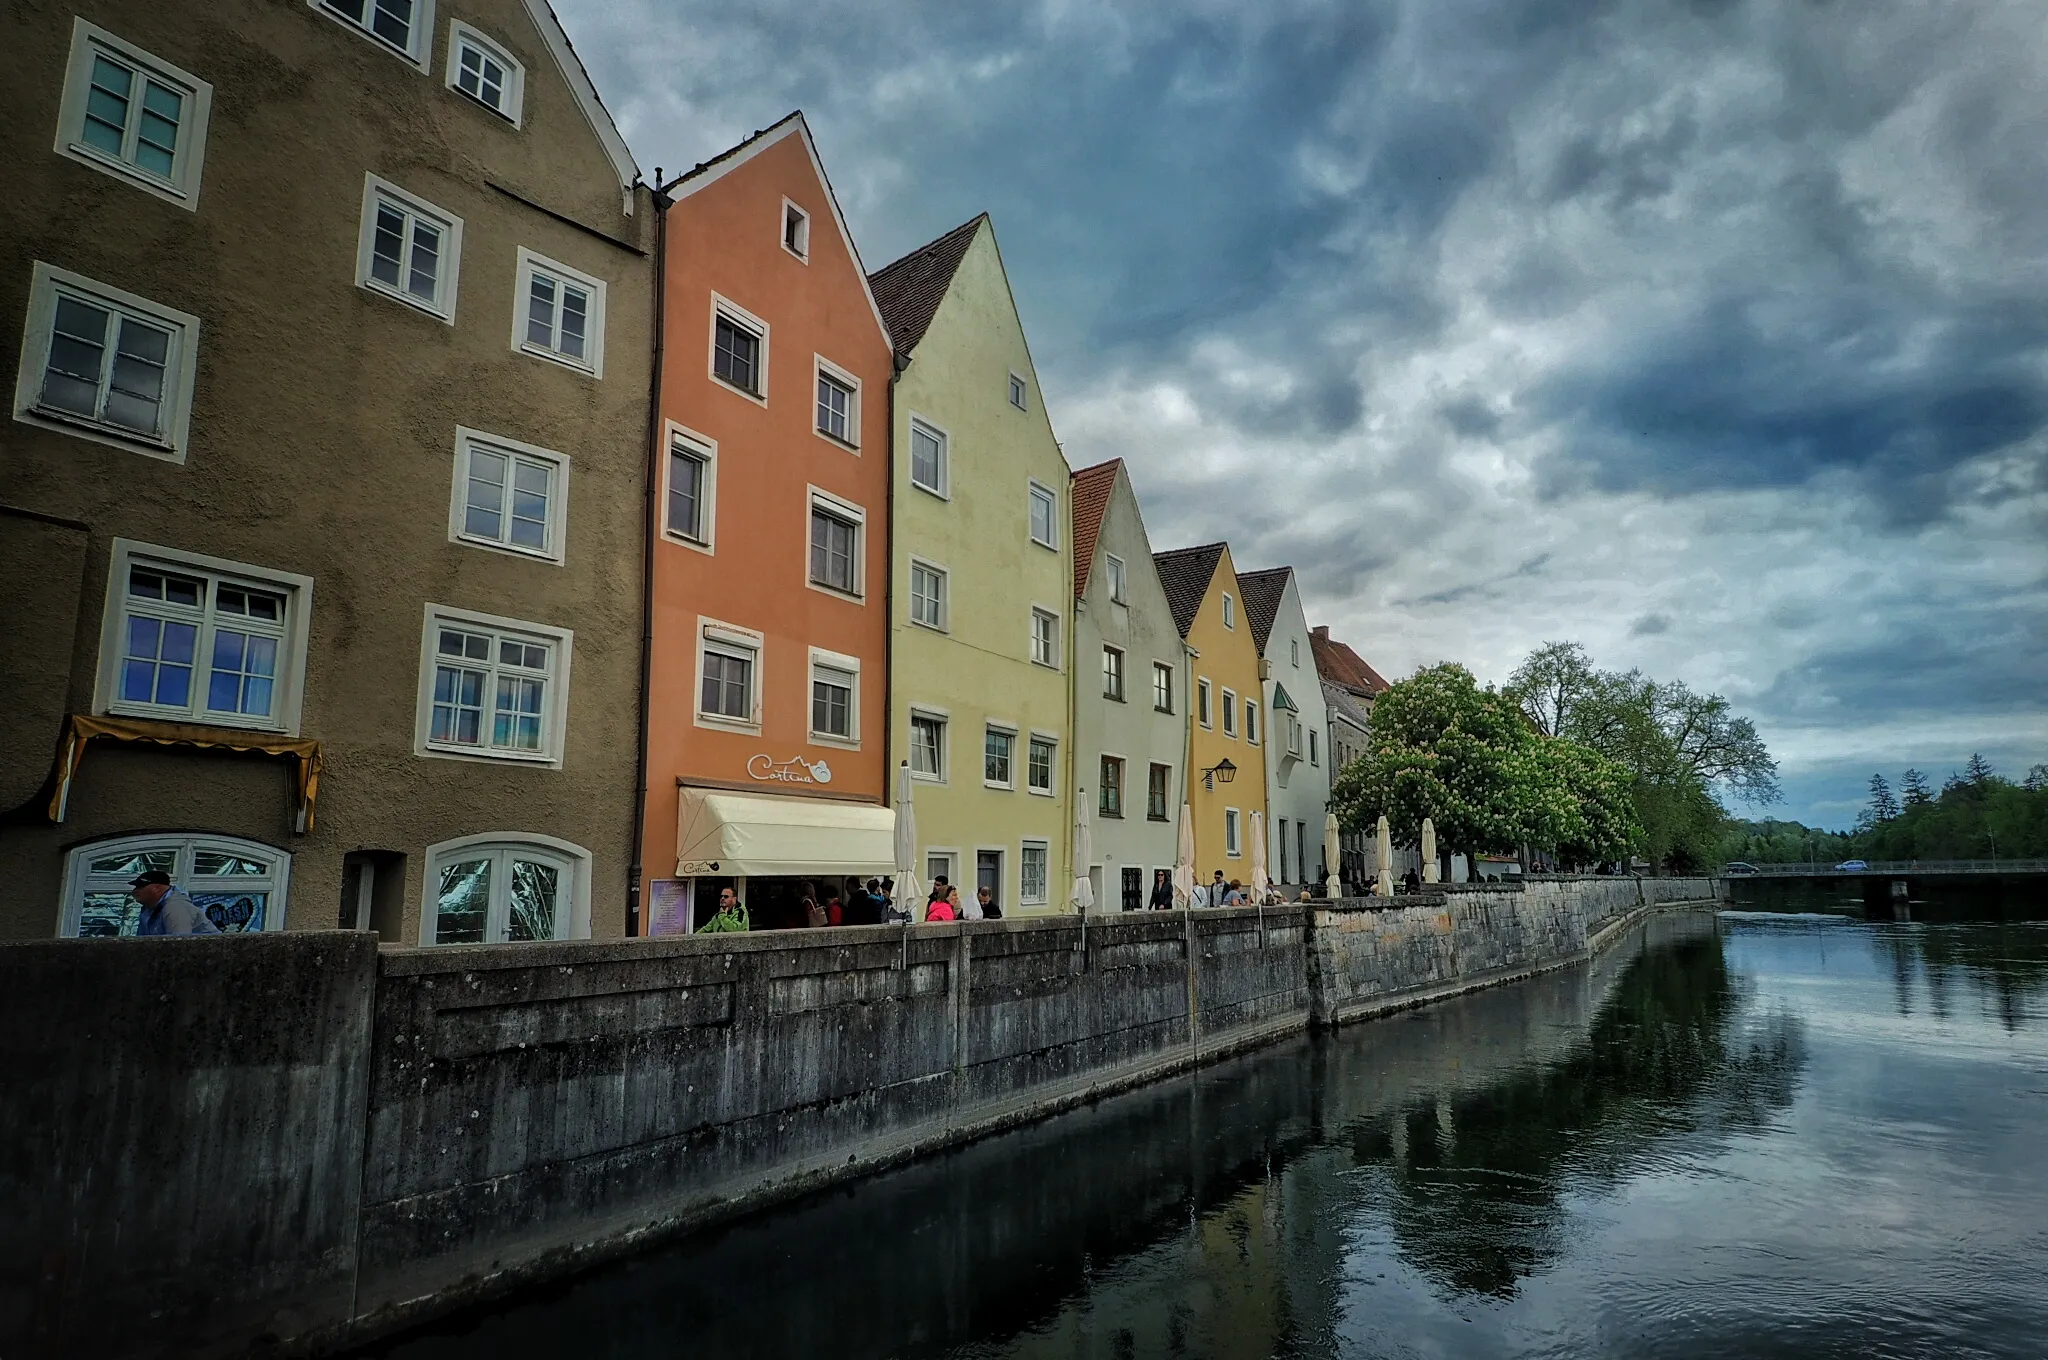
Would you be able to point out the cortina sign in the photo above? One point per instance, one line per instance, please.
(795, 770)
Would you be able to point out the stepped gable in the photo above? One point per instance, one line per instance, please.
(1092, 489)
(910, 290)
(1261, 592)
(1186, 573)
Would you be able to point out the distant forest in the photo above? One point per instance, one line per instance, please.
(1978, 814)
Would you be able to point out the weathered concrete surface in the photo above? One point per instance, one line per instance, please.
(181, 1140)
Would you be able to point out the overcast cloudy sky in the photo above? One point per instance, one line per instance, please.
(1713, 335)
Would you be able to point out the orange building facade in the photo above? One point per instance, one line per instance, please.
(767, 721)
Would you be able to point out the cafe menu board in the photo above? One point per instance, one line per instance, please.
(668, 911)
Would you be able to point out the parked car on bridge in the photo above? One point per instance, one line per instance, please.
(1736, 866)
(1854, 866)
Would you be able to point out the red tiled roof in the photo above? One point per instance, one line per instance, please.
(1338, 664)
(910, 290)
(1262, 591)
(1186, 573)
(1092, 488)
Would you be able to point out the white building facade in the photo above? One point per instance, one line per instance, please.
(1297, 723)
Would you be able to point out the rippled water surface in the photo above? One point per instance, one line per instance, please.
(1752, 1135)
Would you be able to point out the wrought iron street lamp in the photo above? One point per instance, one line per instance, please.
(1222, 770)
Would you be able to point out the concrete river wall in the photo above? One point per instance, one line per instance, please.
(294, 1142)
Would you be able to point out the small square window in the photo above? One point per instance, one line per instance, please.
(492, 688)
(1162, 687)
(509, 495)
(739, 349)
(927, 457)
(838, 413)
(1110, 794)
(134, 116)
(691, 490)
(1018, 393)
(833, 711)
(1038, 764)
(928, 595)
(1113, 674)
(400, 25)
(999, 747)
(796, 231)
(107, 365)
(409, 249)
(485, 72)
(927, 746)
(558, 314)
(1044, 516)
(1045, 637)
(1115, 567)
(835, 548)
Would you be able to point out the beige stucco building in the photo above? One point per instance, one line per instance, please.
(321, 499)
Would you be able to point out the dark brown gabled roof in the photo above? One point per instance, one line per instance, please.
(1262, 591)
(910, 290)
(1338, 664)
(1092, 489)
(1186, 573)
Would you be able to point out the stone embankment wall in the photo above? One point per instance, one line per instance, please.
(214, 1146)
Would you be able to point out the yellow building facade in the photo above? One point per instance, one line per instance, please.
(982, 581)
(1226, 715)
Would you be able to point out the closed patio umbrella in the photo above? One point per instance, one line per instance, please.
(1385, 847)
(1429, 868)
(1084, 853)
(908, 889)
(1184, 860)
(1334, 884)
(1261, 884)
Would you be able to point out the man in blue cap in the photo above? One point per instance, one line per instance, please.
(165, 910)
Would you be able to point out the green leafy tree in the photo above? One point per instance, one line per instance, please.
(2036, 780)
(1977, 814)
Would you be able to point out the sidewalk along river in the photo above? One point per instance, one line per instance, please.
(1745, 1135)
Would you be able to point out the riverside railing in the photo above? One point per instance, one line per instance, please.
(1895, 866)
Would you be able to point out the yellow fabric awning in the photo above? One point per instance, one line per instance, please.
(80, 728)
(738, 833)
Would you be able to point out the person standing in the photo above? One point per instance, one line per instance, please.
(730, 916)
(939, 909)
(987, 900)
(1162, 891)
(166, 910)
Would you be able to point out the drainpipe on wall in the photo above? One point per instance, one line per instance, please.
(896, 367)
(650, 530)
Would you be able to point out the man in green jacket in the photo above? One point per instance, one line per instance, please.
(730, 915)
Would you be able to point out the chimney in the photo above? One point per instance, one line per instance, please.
(1321, 632)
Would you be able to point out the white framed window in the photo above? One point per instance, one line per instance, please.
(928, 745)
(1251, 721)
(1229, 712)
(1045, 637)
(1113, 673)
(190, 638)
(1158, 783)
(999, 756)
(1233, 844)
(796, 231)
(1117, 579)
(838, 407)
(1034, 873)
(1045, 510)
(1313, 758)
(928, 457)
(1162, 687)
(1294, 652)
(1292, 728)
(402, 26)
(486, 72)
(510, 496)
(927, 594)
(836, 534)
(492, 688)
(1229, 611)
(504, 888)
(106, 365)
(940, 864)
(134, 116)
(1020, 393)
(739, 349)
(835, 698)
(728, 675)
(689, 489)
(1039, 756)
(1110, 789)
(240, 884)
(408, 249)
(1202, 703)
(558, 314)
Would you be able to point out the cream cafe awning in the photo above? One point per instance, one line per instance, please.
(742, 833)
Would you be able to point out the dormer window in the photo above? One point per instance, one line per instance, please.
(796, 231)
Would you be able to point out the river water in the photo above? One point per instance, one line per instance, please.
(1748, 1135)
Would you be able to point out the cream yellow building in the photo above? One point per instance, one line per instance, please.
(1226, 764)
(982, 580)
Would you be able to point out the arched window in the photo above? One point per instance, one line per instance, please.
(497, 888)
(239, 884)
